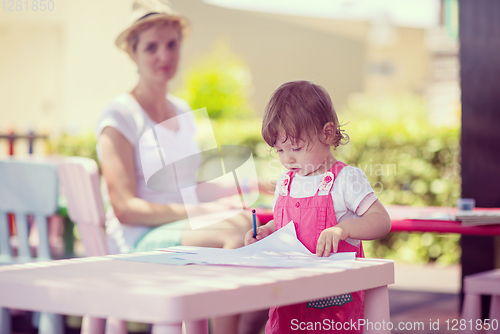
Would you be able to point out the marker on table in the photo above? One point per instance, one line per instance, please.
(254, 224)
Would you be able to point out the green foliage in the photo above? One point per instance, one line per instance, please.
(408, 162)
(220, 82)
(83, 145)
(416, 247)
(236, 132)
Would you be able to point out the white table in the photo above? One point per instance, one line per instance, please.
(166, 295)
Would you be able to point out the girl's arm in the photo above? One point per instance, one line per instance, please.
(118, 169)
(373, 224)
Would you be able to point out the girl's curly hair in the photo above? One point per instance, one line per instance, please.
(300, 108)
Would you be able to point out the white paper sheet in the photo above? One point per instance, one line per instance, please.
(281, 249)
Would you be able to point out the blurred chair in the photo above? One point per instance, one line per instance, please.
(79, 178)
(27, 190)
(485, 283)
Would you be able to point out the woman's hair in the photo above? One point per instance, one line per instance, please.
(298, 109)
(133, 37)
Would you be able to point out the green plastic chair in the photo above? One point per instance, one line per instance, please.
(27, 188)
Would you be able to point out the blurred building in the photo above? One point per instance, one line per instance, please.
(59, 68)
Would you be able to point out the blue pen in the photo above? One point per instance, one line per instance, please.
(254, 224)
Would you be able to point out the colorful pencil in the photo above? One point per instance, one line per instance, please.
(254, 224)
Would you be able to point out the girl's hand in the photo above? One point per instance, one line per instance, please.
(329, 239)
(262, 232)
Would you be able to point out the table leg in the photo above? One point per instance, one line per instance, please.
(93, 325)
(115, 326)
(471, 311)
(494, 312)
(51, 323)
(167, 328)
(5, 324)
(197, 327)
(377, 314)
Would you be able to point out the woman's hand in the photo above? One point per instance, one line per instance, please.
(230, 203)
(262, 232)
(218, 206)
(329, 239)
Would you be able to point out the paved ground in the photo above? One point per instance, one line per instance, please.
(425, 296)
(424, 312)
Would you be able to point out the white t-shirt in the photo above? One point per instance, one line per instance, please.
(126, 115)
(351, 192)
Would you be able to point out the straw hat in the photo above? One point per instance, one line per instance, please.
(144, 11)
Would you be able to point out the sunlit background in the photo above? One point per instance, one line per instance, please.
(59, 68)
(390, 66)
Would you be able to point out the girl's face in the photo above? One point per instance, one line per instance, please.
(304, 157)
(157, 53)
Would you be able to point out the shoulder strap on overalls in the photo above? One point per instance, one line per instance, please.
(330, 177)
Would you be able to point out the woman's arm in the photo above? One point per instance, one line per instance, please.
(209, 192)
(373, 224)
(118, 169)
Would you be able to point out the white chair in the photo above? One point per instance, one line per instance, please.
(79, 178)
(27, 189)
(485, 283)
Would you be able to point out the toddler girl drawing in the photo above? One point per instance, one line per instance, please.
(331, 204)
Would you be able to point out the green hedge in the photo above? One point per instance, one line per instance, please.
(83, 145)
(409, 161)
(219, 81)
(407, 164)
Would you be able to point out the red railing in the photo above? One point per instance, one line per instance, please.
(31, 136)
(11, 138)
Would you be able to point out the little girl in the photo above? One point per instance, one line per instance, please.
(331, 204)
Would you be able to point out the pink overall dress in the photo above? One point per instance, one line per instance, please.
(311, 215)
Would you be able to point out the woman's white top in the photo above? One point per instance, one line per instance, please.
(126, 115)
